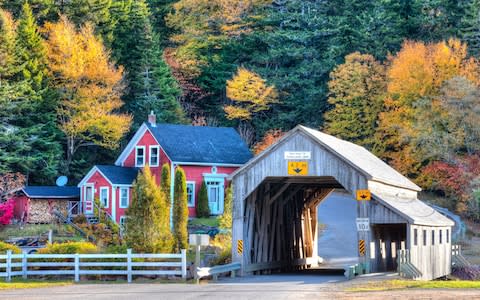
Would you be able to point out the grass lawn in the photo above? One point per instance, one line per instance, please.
(212, 222)
(30, 284)
(407, 284)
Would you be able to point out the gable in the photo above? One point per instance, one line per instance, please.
(143, 137)
(186, 144)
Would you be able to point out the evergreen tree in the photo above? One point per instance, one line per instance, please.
(96, 12)
(43, 10)
(470, 27)
(160, 9)
(31, 50)
(203, 210)
(28, 134)
(151, 84)
(146, 227)
(180, 210)
(165, 184)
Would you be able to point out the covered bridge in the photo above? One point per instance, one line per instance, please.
(275, 199)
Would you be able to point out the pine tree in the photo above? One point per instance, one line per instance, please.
(470, 27)
(32, 50)
(180, 210)
(96, 12)
(28, 134)
(203, 210)
(146, 229)
(151, 84)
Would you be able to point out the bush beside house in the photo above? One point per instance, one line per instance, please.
(203, 211)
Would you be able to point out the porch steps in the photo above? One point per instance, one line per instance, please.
(65, 220)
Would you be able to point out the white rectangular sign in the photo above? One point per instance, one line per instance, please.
(363, 224)
(297, 155)
(199, 239)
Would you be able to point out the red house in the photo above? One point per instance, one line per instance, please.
(207, 154)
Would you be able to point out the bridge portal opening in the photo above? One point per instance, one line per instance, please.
(282, 226)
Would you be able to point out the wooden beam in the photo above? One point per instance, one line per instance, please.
(278, 193)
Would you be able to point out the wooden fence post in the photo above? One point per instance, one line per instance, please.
(129, 265)
(184, 263)
(77, 267)
(24, 265)
(9, 265)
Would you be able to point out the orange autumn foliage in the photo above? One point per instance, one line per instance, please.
(416, 72)
(270, 138)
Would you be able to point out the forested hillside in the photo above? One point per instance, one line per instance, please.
(401, 78)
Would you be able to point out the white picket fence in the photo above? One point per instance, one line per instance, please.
(93, 264)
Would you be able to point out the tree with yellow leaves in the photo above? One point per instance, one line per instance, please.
(250, 95)
(89, 85)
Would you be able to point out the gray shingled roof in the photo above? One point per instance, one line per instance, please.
(415, 211)
(118, 175)
(363, 160)
(201, 144)
(52, 192)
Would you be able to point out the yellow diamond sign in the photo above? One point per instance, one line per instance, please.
(298, 168)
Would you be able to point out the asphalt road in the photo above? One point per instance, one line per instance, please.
(337, 244)
(255, 287)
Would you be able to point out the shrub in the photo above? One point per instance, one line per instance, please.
(148, 219)
(6, 246)
(203, 211)
(223, 249)
(80, 219)
(226, 218)
(467, 273)
(6, 212)
(69, 248)
(180, 210)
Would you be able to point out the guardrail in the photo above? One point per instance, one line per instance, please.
(128, 264)
(405, 266)
(216, 270)
(458, 260)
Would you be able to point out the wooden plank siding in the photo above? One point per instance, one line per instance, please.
(275, 214)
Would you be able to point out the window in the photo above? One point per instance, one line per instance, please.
(104, 196)
(123, 222)
(89, 193)
(191, 193)
(447, 236)
(433, 237)
(424, 237)
(139, 156)
(124, 197)
(440, 236)
(154, 150)
(415, 237)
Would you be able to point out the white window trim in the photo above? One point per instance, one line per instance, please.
(193, 193)
(150, 156)
(120, 197)
(105, 188)
(144, 156)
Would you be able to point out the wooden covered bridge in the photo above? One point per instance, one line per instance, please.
(275, 199)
